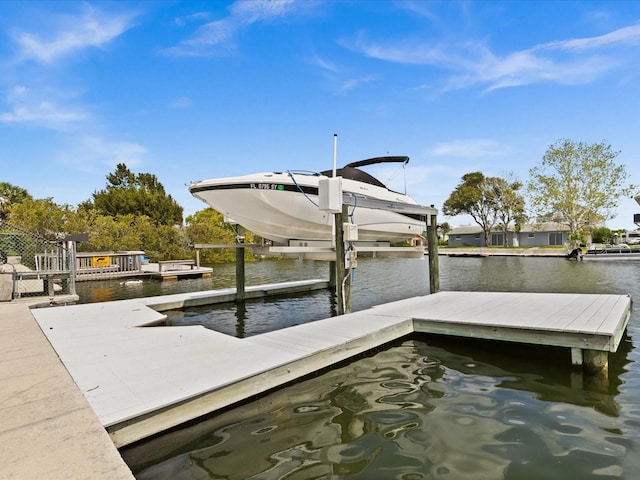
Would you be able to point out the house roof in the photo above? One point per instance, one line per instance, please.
(528, 227)
(545, 227)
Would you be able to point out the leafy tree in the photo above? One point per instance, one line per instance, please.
(579, 182)
(131, 232)
(473, 196)
(106, 233)
(208, 226)
(43, 217)
(601, 235)
(508, 203)
(445, 228)
(141, 195)
(11, 195)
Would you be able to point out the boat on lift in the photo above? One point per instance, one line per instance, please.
(284, 206)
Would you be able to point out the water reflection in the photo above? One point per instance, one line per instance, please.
(425, 408)
(416, 410)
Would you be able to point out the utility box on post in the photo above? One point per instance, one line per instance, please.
(330, 194)
(350, 232)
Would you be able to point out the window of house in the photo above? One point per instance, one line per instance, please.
(555, 238)
(497, 238)
(531, 235)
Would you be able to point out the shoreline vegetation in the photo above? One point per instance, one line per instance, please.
(503, 251)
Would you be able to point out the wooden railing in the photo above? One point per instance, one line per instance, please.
(108, 263)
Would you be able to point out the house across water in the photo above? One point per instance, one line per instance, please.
(548, 234)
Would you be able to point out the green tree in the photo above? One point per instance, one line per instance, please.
(443, 231)
(473, 196)
(579, 183)
(11, 195)
(208, 227)
(140, 195)
(43, 217)
(131, 232)
(601, 235)
(508, 203)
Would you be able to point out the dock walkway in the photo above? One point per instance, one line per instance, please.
(141, 379)
(47, 428)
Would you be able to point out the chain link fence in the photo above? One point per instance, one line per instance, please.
(31, 266)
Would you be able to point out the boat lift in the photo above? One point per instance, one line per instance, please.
(343, 255)
(346, 252)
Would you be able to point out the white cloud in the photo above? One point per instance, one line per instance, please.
(182, 21)
(623, 36)
(569, 62)
(28, 107)
(181, 102)
(339, 78)
(92, 154)
(43, 114)
(70, 34)
(217, 37)
(470, 148)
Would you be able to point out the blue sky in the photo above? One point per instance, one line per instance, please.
(200, 89)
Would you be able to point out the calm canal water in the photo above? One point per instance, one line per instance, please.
(424, 408)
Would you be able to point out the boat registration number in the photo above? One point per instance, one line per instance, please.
(267, 186)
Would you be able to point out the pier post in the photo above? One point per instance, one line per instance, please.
(240, 265)
(332, 275)
(596, 362)
(343, 279)
(432, 247)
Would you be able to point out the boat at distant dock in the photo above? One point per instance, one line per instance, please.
(283, 206)
(620, 252)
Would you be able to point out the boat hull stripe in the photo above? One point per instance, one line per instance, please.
(277, 187)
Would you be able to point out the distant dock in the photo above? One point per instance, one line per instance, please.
(128, 265)
(141, 378)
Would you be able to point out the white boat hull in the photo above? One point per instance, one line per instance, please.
(603, 257)
(280, 208)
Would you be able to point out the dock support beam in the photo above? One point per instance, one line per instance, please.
(343, 277)
(432, 246)
(240, 265)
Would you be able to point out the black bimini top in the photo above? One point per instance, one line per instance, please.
(351, 171)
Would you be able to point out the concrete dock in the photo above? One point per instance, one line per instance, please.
(48, 430)
(77, 381)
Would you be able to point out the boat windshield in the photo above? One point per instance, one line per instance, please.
(355, 174)
(351, 171)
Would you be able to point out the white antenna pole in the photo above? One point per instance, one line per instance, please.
(335, 152)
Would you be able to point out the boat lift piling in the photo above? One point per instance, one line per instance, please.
(331, 199)
(343, 272)
(240, 277)
(432, 249)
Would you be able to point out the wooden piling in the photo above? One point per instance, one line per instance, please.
(240, 273)
(343, 279)
(432, 246)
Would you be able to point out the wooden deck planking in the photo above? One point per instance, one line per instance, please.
(141, 380)
(601, 320)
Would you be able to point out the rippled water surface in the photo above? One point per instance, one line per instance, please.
(424, 408)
